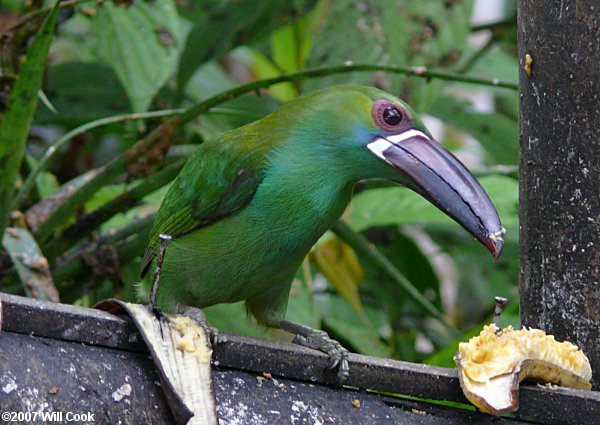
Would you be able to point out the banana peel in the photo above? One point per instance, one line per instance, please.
(492, 364)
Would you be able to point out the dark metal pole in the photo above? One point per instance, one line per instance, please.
(559, 57)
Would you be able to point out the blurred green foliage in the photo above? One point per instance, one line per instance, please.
(121, 57)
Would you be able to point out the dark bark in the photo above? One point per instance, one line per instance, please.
(560, 170)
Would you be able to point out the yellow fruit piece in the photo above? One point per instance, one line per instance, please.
(491, 365)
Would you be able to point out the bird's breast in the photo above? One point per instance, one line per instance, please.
(262, 244)
(296, 215)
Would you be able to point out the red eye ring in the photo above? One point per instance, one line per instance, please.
(389, 116)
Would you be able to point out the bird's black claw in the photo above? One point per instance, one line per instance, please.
(343, 372)
(338, 355)
(157, 313)
(159, 316)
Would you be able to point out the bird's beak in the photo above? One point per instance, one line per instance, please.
(443, 180)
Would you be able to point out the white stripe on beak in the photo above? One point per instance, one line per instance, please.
(398, 138)
(380, 145)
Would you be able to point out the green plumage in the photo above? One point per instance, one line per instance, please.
(247, 207)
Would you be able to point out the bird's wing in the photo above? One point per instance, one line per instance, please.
(218, 179)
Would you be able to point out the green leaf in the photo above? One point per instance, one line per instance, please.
(370, 253)
(225, 25)
(140, 43)
(45, 182)
(14, 124)
(338, 263)
(398, 205)
(479, 279)
(290, 46)
(14, 5)
(263, 68)
(82, 92)
(37, 215)
(406, 255)
(341, 318)
(104, 195)
(301, 305)
(46, 102)
(210, 80)
(444, 357)
(497, 63)
(497, 133)
(233, 318)
(31, 265)
(428, 33)
(292, 43)
(233, 114)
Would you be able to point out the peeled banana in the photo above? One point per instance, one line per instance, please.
(492, 364)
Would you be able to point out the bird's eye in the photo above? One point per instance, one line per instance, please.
(389, 116)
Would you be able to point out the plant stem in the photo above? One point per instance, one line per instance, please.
(53, 148)
(478, 55)
(363, 247)
(419, 71)
(496, 26)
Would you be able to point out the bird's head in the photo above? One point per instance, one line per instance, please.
(387, 139)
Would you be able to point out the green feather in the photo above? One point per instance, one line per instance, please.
(247, 207)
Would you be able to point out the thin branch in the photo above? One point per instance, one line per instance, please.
(140, 225)
(418, 71)
(497, 26)
(235, 113)
(53, 148)
(363, 247)
(478, 54)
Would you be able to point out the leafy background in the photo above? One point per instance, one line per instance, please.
(396, 277)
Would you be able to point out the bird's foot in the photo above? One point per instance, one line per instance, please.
(198, 315)
(157, 313)
(320, 340)
(338, 355)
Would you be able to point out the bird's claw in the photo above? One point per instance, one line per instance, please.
(215, 336)
(160, 317)
(157, 312)
(338, 355)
